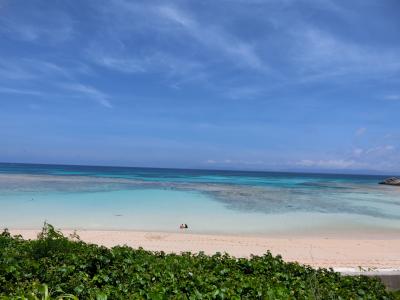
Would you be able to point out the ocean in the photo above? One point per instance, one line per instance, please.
(228, 202)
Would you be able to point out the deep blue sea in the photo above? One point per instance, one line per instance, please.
(232, 202)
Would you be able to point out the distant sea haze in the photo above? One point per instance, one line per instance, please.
(234, 202)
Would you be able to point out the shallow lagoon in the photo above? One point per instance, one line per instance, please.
(209, 201)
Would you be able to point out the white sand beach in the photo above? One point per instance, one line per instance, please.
(349, 252)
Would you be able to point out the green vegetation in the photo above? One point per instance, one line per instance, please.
(57, 267)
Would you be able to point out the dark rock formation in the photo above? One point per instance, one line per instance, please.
(391, 181)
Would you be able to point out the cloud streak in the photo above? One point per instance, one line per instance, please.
(168, 22)
(392, 97)
(6, 90)
(213, 38)
(46, 76)
(55, 27)
(86, 91)
(329, 164)
(320, 55)
(382, 157)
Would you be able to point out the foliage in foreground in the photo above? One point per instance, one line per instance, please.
(56, 267)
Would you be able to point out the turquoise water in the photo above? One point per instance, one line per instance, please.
(208, 201)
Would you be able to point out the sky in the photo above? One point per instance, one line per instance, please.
(308, 85)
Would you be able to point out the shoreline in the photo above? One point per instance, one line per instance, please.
(344, 253)
(370, 234)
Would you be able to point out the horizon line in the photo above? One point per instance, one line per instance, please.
(298, 171)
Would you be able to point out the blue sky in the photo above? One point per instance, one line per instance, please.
(240, 84)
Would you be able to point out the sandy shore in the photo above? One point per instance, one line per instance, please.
(341, 253)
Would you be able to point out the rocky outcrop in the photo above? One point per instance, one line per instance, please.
(391, 181)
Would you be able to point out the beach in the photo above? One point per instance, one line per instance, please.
(346, 253)
(199, 149)
(345, 222)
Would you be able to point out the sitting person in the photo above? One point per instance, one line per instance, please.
(183, 226)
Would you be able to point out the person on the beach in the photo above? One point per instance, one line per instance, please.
(186, 227)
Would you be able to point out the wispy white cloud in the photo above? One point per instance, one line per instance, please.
(235, 162)
(17, 70)
(172, 67)
(173, 23)
(6, 90)
(46, 26)
(31, 69)
(305, 53)
(126, 65)
(309, 54)
(381, 157)
(86, 91)
(377, 151)
(329, 164)
(376, 156)
(319, 54)
(393, 97)
(49, 79)
(213, 37)
(380, 150)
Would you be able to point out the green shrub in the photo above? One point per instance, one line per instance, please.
(56, 267)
